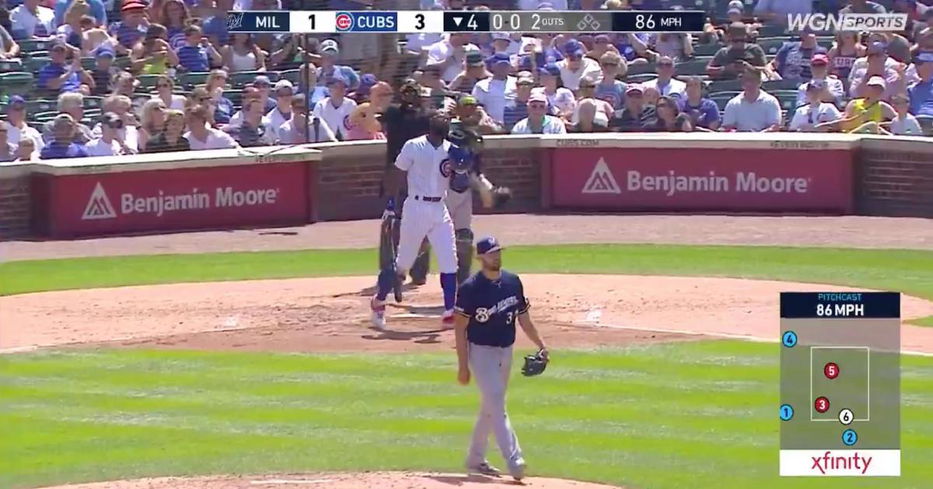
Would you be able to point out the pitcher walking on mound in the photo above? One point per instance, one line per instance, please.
(427, 163)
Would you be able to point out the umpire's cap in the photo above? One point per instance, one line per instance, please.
(488, 244)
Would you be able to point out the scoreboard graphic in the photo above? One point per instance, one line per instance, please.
(840, 384)
(434, 21)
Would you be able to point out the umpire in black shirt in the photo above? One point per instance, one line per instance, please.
(402, 122)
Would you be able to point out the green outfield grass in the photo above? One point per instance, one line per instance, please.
(672, 416)
(908, 271)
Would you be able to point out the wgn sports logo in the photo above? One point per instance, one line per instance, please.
(847, 22)
(366, 21)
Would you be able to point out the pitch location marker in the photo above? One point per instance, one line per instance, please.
(789, 339)
(787, 412)
(831, 370)
(846, 417)
(849, 437)
(821, 404)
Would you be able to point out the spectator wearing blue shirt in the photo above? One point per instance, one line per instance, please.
(921, 93)
(215, 26)
(62, 144)
(517, 108)
(97, 10)
(792, 61)
(131, 28)
(609, 87)
(197, 53)
(702, 111)
(330, 50)
(61, 76)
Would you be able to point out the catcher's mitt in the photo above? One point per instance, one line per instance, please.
(500, 195)
(534, 364)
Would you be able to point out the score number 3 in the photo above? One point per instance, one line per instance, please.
(419, 18)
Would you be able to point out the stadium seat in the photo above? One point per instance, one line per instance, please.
(721, 98)
(122, 62)
(771, 30)
(191, 80)
(771, 45)
(234, 96)
(93, 102)
(29, 46)
(926, 123)
(43, 117)
(16, 83)
(9, 65)
(88, 63)
(770, 86)
(826, 41)
(725, 86)
(642, 68)
(240, 79)
(696, 66)
(640, 78)
(147, 83)
(91, 115)
(787, 98)
(706, 49)
(41, 105)
(293, 76)
(34, 64)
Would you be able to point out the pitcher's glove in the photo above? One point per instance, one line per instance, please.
(501, 195)
(535, 364)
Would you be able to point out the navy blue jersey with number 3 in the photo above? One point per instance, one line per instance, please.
(492, 307)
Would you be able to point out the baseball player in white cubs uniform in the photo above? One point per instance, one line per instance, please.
(427, 163)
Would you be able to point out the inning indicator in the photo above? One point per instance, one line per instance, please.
(840, 373)
(433, 21)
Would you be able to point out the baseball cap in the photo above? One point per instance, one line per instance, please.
(474, 58)
(110, 119)
(467, 100)
(602, 38)
(336, 78)
(330, 46)
(105, 51)
(525, 78)
(487, 245)
(738, 28)
(733, 10)
(736, 4)
(500, 36)
(499, 59)
(876, 81)
(261, 81)
(877, 47)
(16, 102)
(367, 82)
(550, 69)
(132, 6)
(634, 87)
(574, 48)
(819, 59)
(923, 57)
(587, 81)
(537, 97)
(284, 84)
(58, 45)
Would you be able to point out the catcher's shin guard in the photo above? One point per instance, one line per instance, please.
(464, 254)
(421, 267)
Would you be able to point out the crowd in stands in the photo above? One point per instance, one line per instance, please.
(120, 77)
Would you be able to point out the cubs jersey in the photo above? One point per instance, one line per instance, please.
(492, 307)
(429, 167)
(336, 117)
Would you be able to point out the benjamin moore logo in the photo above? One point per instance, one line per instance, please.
(98, 206)
(601, 181)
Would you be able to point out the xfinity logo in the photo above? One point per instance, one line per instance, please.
(99, 205)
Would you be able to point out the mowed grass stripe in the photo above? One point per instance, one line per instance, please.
(584, 419)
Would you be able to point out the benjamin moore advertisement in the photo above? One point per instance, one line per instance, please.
(703, 180)
(194, 198)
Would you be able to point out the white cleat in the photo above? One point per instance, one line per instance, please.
(483, 468)
(517, 470)
(447, 319)
(378, 317)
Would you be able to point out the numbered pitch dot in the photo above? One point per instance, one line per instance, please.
(846, 417)
(789, 339)
(821, 404)
(786, 412)
(849, 437)
(831, 370)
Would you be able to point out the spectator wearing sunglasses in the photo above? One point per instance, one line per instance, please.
(538, 122)
(610, 88)
(665, 83)
(110, 142)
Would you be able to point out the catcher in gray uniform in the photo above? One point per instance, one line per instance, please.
(466, 159)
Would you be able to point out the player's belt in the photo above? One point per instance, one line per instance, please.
(427, 199)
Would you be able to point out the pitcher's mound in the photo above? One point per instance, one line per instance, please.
(382, 480)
